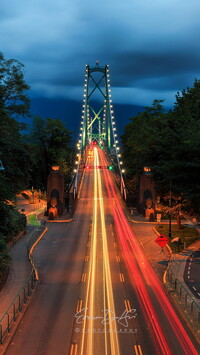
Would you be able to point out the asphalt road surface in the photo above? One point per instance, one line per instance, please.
(98, 293)
(191, 273)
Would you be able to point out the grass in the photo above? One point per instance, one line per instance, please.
(32, 220)
(187, 235)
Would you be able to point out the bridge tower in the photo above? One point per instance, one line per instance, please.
(97, 123)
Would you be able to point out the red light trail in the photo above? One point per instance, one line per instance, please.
(140, 268)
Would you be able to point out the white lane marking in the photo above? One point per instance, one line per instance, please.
(138, 350)
(121, 277)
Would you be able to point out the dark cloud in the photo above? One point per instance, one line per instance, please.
(134, 66)
(152, 47)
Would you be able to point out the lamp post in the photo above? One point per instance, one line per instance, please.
(170, 205)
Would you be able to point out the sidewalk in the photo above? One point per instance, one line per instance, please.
(146, 235)
(20, 267)
(19, 271)
(178, 263)
(145, 232)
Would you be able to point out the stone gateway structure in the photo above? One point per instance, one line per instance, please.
(146, 195)
(55, 193)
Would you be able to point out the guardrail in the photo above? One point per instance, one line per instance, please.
(191, 307)
(16, 306)
(25, 291)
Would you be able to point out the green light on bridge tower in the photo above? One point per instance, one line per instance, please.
(97, 107)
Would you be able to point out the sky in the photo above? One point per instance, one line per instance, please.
(152, 48)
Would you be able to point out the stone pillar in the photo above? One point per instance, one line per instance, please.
(55, 193)
(146, 193)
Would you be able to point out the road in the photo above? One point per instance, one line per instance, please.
(98, 294)
(191, 273)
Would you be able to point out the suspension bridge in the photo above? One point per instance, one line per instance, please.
(98, 126)
(98, 293)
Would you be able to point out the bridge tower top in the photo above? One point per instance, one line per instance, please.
(97, 111)
(98, 122)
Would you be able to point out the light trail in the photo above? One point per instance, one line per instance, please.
(131, 248)
(111, 343)
(157, 287)
(108, 280)
(135, 275)
(89, 302)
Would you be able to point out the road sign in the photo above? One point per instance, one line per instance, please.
(161, 240)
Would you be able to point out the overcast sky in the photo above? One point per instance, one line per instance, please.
(152, 46)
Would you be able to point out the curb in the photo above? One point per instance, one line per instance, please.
(141, 222)
(60, 221)
(170, 256)
(16, 323)
(31, 251)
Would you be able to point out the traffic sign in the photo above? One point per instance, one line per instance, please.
(161, 240)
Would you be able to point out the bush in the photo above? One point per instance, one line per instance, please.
(4, 260)
(12, 222)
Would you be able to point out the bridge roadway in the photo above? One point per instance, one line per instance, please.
(97, 292)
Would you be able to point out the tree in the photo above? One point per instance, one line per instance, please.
(140, 137)
(14, 103)
(50, 141)
(169, 143)
(13, 88)
(15, 159)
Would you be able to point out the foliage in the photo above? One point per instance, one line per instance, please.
(12, 222)
(14, 103)
(168, 143)
(48, 145)
(140, 137)
(13, 155)
(4, 260)
(13, 88)
(27, 159)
